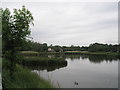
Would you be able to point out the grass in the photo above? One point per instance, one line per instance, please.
(43, 61)
(28, 52)
(0, 62)
(33, 53)
(35, 58)
(0, 65)
(94, 53)
(24, 78)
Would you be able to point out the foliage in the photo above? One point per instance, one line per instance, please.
(34, 46)
(92, 53)
(83, 48)
(42, 61)
(97, 47)
(57, 48)
(71, 48)
(24, 78)
(15, 28)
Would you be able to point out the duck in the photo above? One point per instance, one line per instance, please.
(76, 83)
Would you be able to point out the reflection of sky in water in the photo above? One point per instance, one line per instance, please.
(84, 73)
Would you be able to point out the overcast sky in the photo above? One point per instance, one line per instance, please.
(72, 23)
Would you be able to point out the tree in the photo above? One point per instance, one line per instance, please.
(45, 47)
(0, 32)
(15, 29)
(57, 48)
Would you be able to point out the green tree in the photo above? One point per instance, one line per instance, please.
(45, 47)
(15, 29)
(0, 32)
(57, 48)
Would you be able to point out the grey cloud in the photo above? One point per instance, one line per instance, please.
(72, 23)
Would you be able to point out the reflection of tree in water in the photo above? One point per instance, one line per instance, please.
(52, 68)
(91, 58)
(73, 57)
(94, 58)
(101, 58)
(48, 67)
(52, 56)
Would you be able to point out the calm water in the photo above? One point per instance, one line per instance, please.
(84, 72)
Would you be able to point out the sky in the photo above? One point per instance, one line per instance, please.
(71, 22)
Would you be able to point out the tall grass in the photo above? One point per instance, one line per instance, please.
(24, 78)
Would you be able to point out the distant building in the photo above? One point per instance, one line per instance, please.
(55, 49)
(50, 50)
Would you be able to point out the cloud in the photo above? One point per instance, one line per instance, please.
(61, 0)
(73, 23)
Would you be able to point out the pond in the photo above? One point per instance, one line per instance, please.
(84, 71)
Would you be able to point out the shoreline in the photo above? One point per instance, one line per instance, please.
(29, 53)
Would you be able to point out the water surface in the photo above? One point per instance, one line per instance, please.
(84, 72)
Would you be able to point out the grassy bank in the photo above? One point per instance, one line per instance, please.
(24, 78)
(21, 77)
(32, 53)
(43, 61)
(93, 53)
(47, 68)
(0, 64)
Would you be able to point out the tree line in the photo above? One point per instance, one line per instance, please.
(95, 47)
